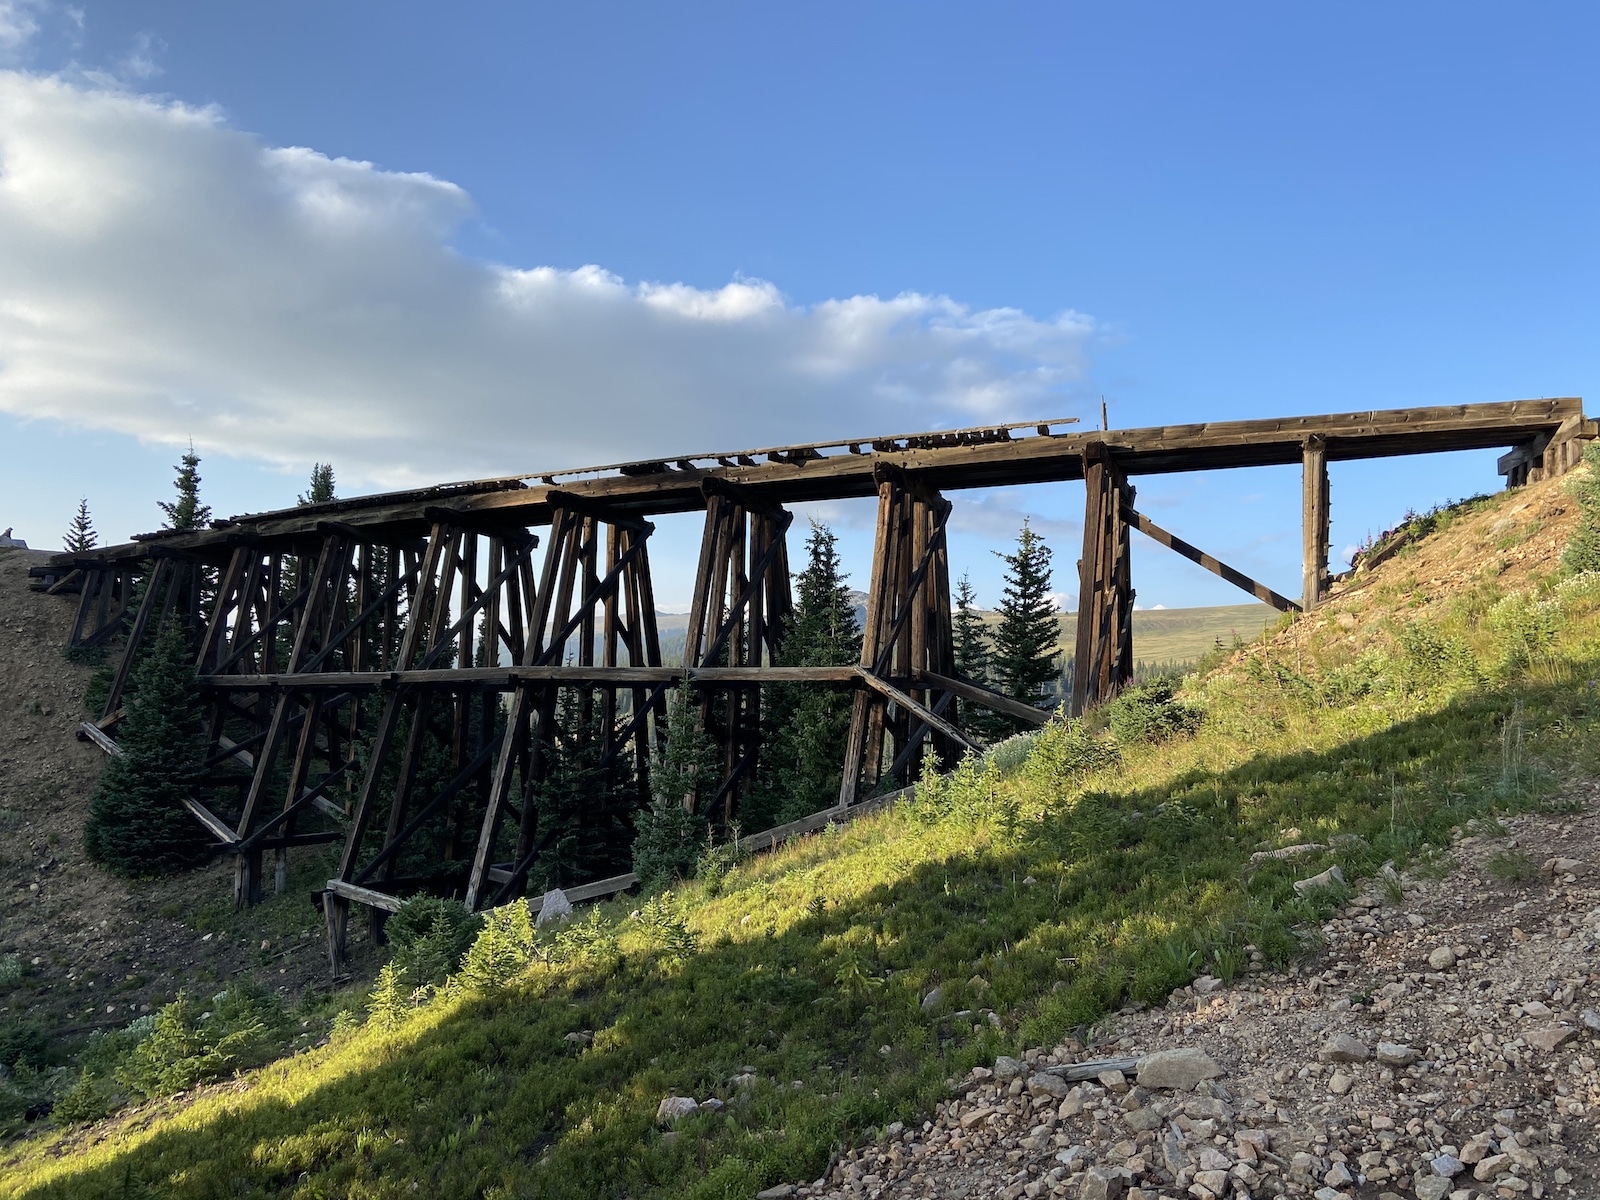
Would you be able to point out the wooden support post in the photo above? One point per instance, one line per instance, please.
(1103, 648)
(1314, 522)
(906, 635)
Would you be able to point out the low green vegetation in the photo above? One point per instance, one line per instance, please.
(835, 985)
(137, 823)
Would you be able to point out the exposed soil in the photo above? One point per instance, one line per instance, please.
(98, 950)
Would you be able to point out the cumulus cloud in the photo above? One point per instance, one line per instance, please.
(165, 275)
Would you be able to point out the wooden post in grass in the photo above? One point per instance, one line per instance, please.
(1314, 521)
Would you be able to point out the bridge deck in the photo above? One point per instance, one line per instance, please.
(995, 456)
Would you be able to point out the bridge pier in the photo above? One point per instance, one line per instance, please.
(1103, 648)
(906, 639)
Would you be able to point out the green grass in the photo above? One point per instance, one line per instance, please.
(1051, 894)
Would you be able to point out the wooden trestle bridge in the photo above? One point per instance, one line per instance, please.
(332, 639)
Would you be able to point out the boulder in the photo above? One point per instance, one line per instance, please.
(933, 999)
(1332, 877)
(1177, 1070)
(1344, 1048)
(1551, 1039)
(674, 1108)
(1442, 958)
(553, 907)
(1396, 1054)
(781, 1191)
(1007, 1068)
(1101, 1184)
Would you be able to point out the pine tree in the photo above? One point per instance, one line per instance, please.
(321, 486)
(1024, 658)
(669, 836)
(972, 654)
(80, 534)
(137, 824)
(805, 725)
(187, 512)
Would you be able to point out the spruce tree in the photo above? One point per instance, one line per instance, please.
(321, 486)
(1024, 658)
(972, 654)
(805, 724)
(80, 534)
(187, 512)
(137, 824)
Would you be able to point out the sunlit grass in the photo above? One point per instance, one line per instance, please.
(1048, 896)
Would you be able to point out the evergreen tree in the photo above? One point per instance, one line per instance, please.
(137, 824)
(1024, 658)
(805, 724)
(321, 485)
(972, 656)
(669, 835)
(80, 534)
(187, 512)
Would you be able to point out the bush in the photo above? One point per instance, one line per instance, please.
(182, 1048)
(1583, 547)
(88, 1099)
(668, 844)
(137, 823)
(502, 950)
(430, 935)
(1151, 713)
(23, 1042)
(1064, 753)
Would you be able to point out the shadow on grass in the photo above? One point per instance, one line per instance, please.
(1108, 895)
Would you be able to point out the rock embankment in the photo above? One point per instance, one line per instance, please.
(1442, 1044)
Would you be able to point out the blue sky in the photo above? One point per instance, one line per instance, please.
(1199, 212)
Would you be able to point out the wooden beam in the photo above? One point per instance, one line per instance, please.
(215, 824)
(1215, 565)
(978, 694)
(921, 711)
(1314, 521)
(88, 731)
(361, 895)
(787, 478)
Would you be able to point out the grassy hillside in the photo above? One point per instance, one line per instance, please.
(1068, 873)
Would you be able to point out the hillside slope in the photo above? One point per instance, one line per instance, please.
(1102, 890)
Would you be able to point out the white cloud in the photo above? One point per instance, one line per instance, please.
(167, 276)
(19, 25)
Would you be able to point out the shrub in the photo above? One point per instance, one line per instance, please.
(10, 970)
(502, 950)
(1064, 753)
(137, 824)
(1583, 547)
(667, 845)
(430, 935)
(182, 1048)
(88, 1099)
(1151, 712)
(1430, 659)
(1525, 630)
(23, 1042)
(390, 1003)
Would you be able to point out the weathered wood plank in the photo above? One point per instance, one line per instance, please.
(1215, 565)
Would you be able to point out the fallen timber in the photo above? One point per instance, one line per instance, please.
(394, 674)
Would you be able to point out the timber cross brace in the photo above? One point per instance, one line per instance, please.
(390, 674)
